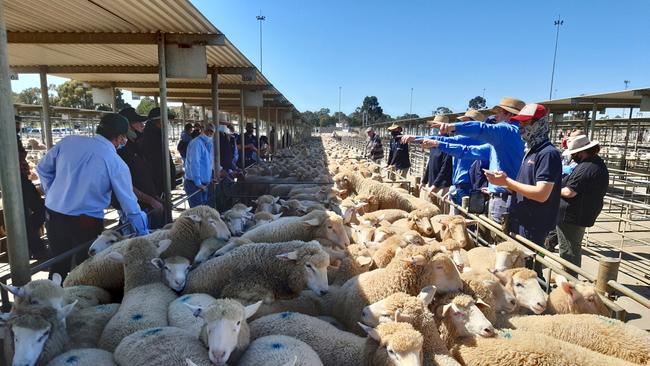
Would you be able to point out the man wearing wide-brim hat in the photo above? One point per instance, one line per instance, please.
(499, 143)
(582, 196)
(398, 156)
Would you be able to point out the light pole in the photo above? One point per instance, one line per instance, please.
(627, 82)
(557, 23)
(411, 104)
(339, 105)
(261, 18)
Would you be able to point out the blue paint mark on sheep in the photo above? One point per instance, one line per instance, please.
(72, 359)
(505, 334)
(186, 298)
(137, 316)
(151, 332)
(277, 346)
(286, 314)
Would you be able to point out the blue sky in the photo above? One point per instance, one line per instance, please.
(447, 51)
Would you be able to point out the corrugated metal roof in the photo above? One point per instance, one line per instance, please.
(617, 99)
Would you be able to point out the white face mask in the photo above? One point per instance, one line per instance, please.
(223, 129)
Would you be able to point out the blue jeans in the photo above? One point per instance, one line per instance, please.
(198, 199)
(498, 207)
(458, 195)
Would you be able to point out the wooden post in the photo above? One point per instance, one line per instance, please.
(607, 270)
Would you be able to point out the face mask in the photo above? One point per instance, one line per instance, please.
(131, 134)
(120, 146)
(535, 133)
(223, 129)
(576, 158)
(395, 133)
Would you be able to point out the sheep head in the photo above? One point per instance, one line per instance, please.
(452, 227)
(422, 220)
(309, 268)
(399, 307)
(462, 313)
(522, 282)
(329, 226)
(105, 240)
(576, 298)
(175, 270)
(39, 292)
(399, 344)
(225, 329)
(509, 254)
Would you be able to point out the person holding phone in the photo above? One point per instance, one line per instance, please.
(536, 200)
(438, 174)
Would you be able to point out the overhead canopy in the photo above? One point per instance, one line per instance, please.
(630, 98)
(108, 43)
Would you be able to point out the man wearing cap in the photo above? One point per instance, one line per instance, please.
(398, 157)
(438, 173)
(152, 148)
(78, 175)
(186, 137)
(536, 190)
(582, 196)
(373, 150)
(250, 145)
(143, 184)
(501, 145)
(198, 167)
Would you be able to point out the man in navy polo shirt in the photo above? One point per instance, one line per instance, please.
(536, 199)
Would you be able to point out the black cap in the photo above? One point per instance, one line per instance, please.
(154, 114)
(112, 125)
(132, 115)
(250, 125)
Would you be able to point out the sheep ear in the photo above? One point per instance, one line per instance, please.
(312, 222)
(426, 294)
(17, 291)
(116, 257)
(418, 260)
(559, 279)
(363, 260)
(66, 310)
(163, 245)
(372, 332)
(292, 362)
(275, 217)
(197, 311)
(446, 308)
(276, 199)
(482, 304)
(56, 278)
(158, 263)
(251, 309)
(568, 287)
(291, 256)
(195, 218)
(189, 362)
(470, 222)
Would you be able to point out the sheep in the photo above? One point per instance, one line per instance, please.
(292, 208)
(452, 227)
(387, 249)
(181, 316)
(84, 357)
(287, 267)
(101, 271)
(237, 218)
(522, 283)
(387, 344)
(504, 256)
(175, 270)
(161, 346)
(146, 297)
(414, 310)
(390, 215)
(105, 240)
(362, 234)
(387, 196)
(575, 298)
(192, 228)
(418, 220)
(225, 330)
(489, 288)
(85, 326)
(371, 202)
(598, 333)
(38, 332)
(316, 224)
(278, 350)
(38, 292)
(356, 259)
(262, 218)
(267, 203)
(86, 296)
(412, 269)
(210, 247)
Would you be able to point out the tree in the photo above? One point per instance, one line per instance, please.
(371, 107)
(29, 96)
(73, 94)
(119, 101)
(146, 104)
(478, 102)
(407, 116)
(442, 110)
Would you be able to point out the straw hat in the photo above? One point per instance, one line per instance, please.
(393, 127)
(510, 104)
(473, 115)
(579, 143)
(439, 119)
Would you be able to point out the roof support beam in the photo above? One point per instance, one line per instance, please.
(123, 69)
(605, 101)
(178, 85)
(114, 38)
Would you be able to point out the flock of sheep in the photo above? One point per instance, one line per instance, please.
(344, 271)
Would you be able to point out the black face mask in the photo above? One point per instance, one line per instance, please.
(576, 158)
(395, 133)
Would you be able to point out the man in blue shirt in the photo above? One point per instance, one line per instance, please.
(536, 199)
(198, 167)
(501, 145)
(78, 175)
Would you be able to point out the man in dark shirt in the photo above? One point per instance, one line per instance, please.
(250, 145)
(398, 157)
(152, 149)
(536, 200)
(582, 196)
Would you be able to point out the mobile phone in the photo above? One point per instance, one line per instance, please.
(488, 171)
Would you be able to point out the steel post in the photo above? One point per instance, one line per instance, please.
(45, 114)
(242, 157)
(164, 123)
(216, 140)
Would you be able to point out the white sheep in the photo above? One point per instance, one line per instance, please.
(523, 284)
(387, 344)
(575, 298)
(86, 296)
(161, 346)
(504, 256)
(317, 224)
(288, 268)
(181, 316)
(237, 218)
(192, 228)
(38, 292)
(175, 270)
(146, 297)
(84, 357)
(279, 350)
(85, 326)
(452, 227)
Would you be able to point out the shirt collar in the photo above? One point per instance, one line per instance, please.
(104, 141)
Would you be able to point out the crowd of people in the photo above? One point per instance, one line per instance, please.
(122, 166)
(509, 169)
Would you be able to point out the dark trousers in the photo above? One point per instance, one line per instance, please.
(570, 239)
(66, 232)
